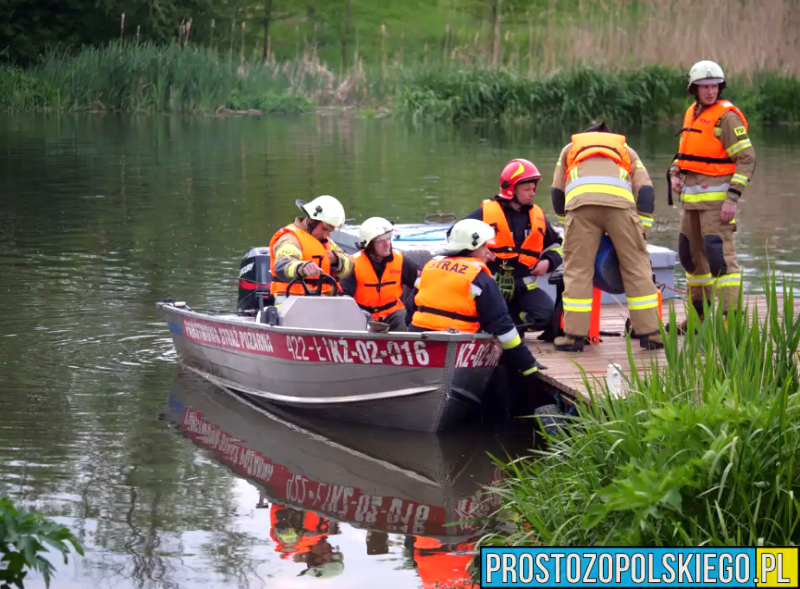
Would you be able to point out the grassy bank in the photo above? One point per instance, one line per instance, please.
(144, 77)
(704, 453)
(645, 95)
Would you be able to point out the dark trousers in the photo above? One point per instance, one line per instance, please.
(532, 306)
(396, 321)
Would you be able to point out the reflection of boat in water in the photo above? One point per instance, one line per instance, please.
(382, 480)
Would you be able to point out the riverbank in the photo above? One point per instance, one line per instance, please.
(701, 452)
(174, 78)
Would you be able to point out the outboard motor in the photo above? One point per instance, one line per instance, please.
(254, 279)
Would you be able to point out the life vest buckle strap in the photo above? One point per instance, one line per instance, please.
(516, 250)
(687, 157)
(687, 130)
(378, 285)
(385, 307)
(448, 314)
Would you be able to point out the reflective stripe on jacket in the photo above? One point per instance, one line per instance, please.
(608, 145)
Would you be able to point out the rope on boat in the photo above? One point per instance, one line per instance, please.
(672, 288)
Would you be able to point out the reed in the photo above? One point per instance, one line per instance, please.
(746, 36)
(145, 77)
(646, 95)
(183, 77)
(701, 453)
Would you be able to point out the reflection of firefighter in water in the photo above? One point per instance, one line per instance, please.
(443, 566)
(303, 537)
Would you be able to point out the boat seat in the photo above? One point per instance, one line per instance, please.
(336, 313)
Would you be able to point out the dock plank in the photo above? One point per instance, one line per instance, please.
(564, 368)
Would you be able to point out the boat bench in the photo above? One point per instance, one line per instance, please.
(335, 313)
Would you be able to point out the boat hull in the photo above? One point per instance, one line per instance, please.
(423, 382)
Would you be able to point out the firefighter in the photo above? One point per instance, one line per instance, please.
(295, 531)
(304, 249)
(457, 291)
(526, 245)
(601, 186)
(380, 275)
(302, 536)
(715, 161)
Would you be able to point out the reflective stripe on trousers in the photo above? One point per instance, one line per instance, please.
(729, 280)
(641, 303)
(699, 279)
(578, 305)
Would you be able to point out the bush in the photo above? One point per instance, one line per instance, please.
(23, 536)
(705, 452)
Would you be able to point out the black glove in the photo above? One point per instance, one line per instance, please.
(535, 374)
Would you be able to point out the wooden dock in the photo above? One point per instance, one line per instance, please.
(563, 372)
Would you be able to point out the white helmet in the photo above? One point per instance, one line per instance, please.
(706, 72)
(374, 228)
(469, 234)
(324, 208)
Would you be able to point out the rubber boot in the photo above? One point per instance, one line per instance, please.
(567, 343)
(683, 326)
(651, 342)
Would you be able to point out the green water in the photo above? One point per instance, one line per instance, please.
(102, 216)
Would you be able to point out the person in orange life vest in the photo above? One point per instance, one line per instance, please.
(305, 249)
(380, 275)
(715, 161)
(457, 291)
(444, 566)
(601, 186)
(526, 247)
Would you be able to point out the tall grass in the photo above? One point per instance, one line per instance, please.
(646, 95)
(649, 94)
(146, 77)
(143, 77)
(703, 453)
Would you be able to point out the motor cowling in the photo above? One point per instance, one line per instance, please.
(254, 280)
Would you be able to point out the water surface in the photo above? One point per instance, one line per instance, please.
(102, 216)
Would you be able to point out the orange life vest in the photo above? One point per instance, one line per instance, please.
(312, 251)
(505, 248)
(383, 296)
(441, 566)
(292, 539)
(586, 145)
(700, 150)
(444, 298)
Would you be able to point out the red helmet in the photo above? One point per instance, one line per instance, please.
(516, 172)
